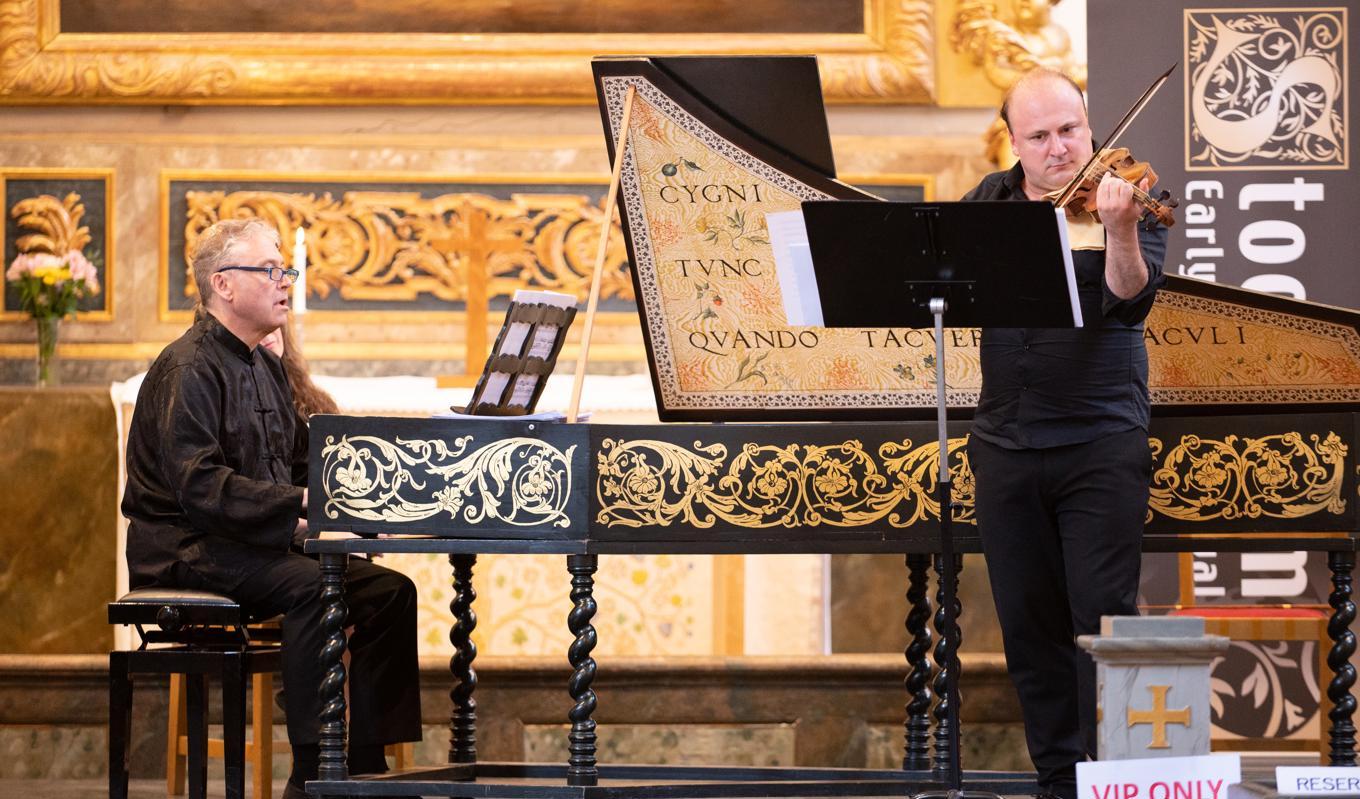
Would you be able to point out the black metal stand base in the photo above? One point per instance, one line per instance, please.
(947, 754)
(950, 793)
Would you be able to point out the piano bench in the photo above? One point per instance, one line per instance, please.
(1267, 623)
(198, 633)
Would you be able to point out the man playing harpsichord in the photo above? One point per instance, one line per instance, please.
(216, 464)
(1059, 444)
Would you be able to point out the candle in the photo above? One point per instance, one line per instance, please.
(300, 264)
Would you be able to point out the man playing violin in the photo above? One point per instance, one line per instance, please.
(1059, 447)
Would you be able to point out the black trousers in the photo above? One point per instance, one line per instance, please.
(1061, 530)
(384, 675)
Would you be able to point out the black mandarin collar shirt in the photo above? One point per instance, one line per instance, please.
(1052, 387)
(216, 458)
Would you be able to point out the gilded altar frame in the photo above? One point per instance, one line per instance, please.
(891, 61)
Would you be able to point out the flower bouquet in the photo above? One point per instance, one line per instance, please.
(50, 287)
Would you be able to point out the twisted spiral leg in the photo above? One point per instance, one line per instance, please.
(463, 718)
(918, 678)
(332, 743)
(1342, 715)
(581, 768)
(945, 653)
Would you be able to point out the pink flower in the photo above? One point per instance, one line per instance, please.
(53, 285)
(55, 268)
(30, 263)
(83, 270)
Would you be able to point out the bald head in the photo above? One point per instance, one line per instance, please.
(1035, 78)
(1045, 115)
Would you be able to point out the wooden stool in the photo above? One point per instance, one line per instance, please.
(260, 748)
(200, 633)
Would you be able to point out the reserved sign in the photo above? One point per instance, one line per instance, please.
(1201, 777)
(1317, 781)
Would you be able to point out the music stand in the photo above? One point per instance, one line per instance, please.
(984, 264)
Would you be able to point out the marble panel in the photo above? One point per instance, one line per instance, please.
(982, 745)
(1153, 711)
(59, 752)
(58, 461)
(672, 744)
(869, 604)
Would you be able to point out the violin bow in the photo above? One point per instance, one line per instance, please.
(1119, 129)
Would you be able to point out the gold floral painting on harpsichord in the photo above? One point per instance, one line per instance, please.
(695, 204)
(720, 347)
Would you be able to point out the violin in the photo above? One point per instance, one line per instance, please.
(1079, 195)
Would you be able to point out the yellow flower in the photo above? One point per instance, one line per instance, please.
(769, 482)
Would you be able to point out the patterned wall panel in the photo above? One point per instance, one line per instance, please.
(649, 605)
(56, 211)
(408, 244)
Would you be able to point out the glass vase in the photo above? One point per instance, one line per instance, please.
(47, 350)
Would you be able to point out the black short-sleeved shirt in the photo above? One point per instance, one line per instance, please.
(1051, 387)
(216, 458)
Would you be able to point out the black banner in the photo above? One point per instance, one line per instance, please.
(1251, 134)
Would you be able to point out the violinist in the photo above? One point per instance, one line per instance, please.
(1059, 445)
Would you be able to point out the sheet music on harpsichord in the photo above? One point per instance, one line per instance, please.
(717, 144)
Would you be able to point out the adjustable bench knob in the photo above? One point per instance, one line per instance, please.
(168, 618)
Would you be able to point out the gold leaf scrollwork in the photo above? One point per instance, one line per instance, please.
(517, 481)
(396, 246)
(1008, 48)
(657, 483)
(1280, 476)
(1005, 49)
(57, 223)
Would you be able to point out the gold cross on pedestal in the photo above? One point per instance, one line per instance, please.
(1159, 716)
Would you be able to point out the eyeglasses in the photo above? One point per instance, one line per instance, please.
(276, 273)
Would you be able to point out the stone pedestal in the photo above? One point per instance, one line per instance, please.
(1152, 676)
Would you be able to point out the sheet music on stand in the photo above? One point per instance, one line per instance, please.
(524, 355)
(802, 299)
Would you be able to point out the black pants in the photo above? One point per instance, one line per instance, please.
(384, 677)
(1062, 530)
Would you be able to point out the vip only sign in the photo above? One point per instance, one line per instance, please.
(1201, 777)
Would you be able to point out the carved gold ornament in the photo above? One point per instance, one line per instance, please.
(656, 483)
(57, 223)
(890, 60)
(464, 246)
(1281, 476)
(516, 481)
(1006, 47)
